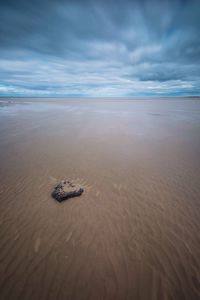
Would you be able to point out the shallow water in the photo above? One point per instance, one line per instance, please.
(134, 233)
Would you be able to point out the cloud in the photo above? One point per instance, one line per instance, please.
(99, 48)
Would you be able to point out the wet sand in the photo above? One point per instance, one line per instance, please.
(135, 231)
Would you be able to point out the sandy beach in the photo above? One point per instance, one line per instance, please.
(134, 234)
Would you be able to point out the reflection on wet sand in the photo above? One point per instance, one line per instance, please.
(134, 233)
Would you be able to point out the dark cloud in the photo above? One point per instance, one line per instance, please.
(99, 47)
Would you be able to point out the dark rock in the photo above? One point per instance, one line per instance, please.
(66, 189)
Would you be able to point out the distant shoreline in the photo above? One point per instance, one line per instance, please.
(101, 98)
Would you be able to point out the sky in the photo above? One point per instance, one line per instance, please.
(99, 48)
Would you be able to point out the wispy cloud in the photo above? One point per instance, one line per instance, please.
(99, 48)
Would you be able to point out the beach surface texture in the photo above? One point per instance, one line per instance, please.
(134, 233)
